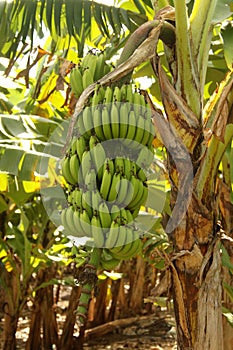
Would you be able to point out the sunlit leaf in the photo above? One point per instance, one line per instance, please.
(3, 182)
(227, 35)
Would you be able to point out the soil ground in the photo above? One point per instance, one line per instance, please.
(153, 332)
(150, 332)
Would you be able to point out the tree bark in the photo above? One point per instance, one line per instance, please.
(136, 300)
(66, 341)
(196, 282)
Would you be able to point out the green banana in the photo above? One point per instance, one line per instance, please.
(98, 127)
(80, 126)
(70, 197)
(78, 198)
(115, 212)
(135, 212)
(77, 223)
(105, 184)
(93, 141)
(105, 217)
(90, 61)
(135, 249)
(129, 194)
(67, 219)
(80, 147)
(129, 216)
(139, 188)
(149, 132)
(76, 81)
(128, 243)
(119, 165)
(141, 175)
(108, 97)
(112, 195)
(97, 98)
(110, 166)
(97, 232)
(132, 127)
(129, 93)
(114, 120)
(88, 121)
(124, 119)
(121, 237)
(107, 262)
(85, 223)
(87, 78)
(139, 134)
(117, 94)
(73, 147)
(100, 63)
(65, 167)
(74, 166)
(127, 168)
(87, 203)
(123, 216)
(137, 102)
(146, 135)
(141, 200)
(99, 157)
(96, 200)
(106, 124)
(90, 180)
(112, 235)
(85, 166)
(123, 92)
(122, 198)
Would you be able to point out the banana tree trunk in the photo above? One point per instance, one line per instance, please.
(196, 282)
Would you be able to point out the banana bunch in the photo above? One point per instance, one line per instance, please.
(90, 69)
(106, 186)
(118, 114)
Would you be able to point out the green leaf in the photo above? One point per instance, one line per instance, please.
(223, 10)
(87, 17)
(116, 19)
(57, 15)
(100, 21)
(28, 167)
(228, 289)
(3, 204)
(227, 35)
(49, 12)
(9, 161)
(13, 126)
(138, 4)
(228, 314)
(125, 18)
(226, 261)
(77, 16)
(69, 16)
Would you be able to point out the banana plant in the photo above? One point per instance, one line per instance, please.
(196, 134)
(185, 47)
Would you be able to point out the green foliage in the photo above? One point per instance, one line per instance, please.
(38, 101)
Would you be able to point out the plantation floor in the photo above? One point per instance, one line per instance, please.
(150, 332)
(153, 332)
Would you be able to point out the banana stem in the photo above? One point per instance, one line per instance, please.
(187, 80)
(89, 280)
(211, 162)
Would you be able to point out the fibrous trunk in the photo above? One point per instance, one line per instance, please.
(196, 281)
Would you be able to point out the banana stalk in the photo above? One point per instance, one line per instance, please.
(88, 283)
